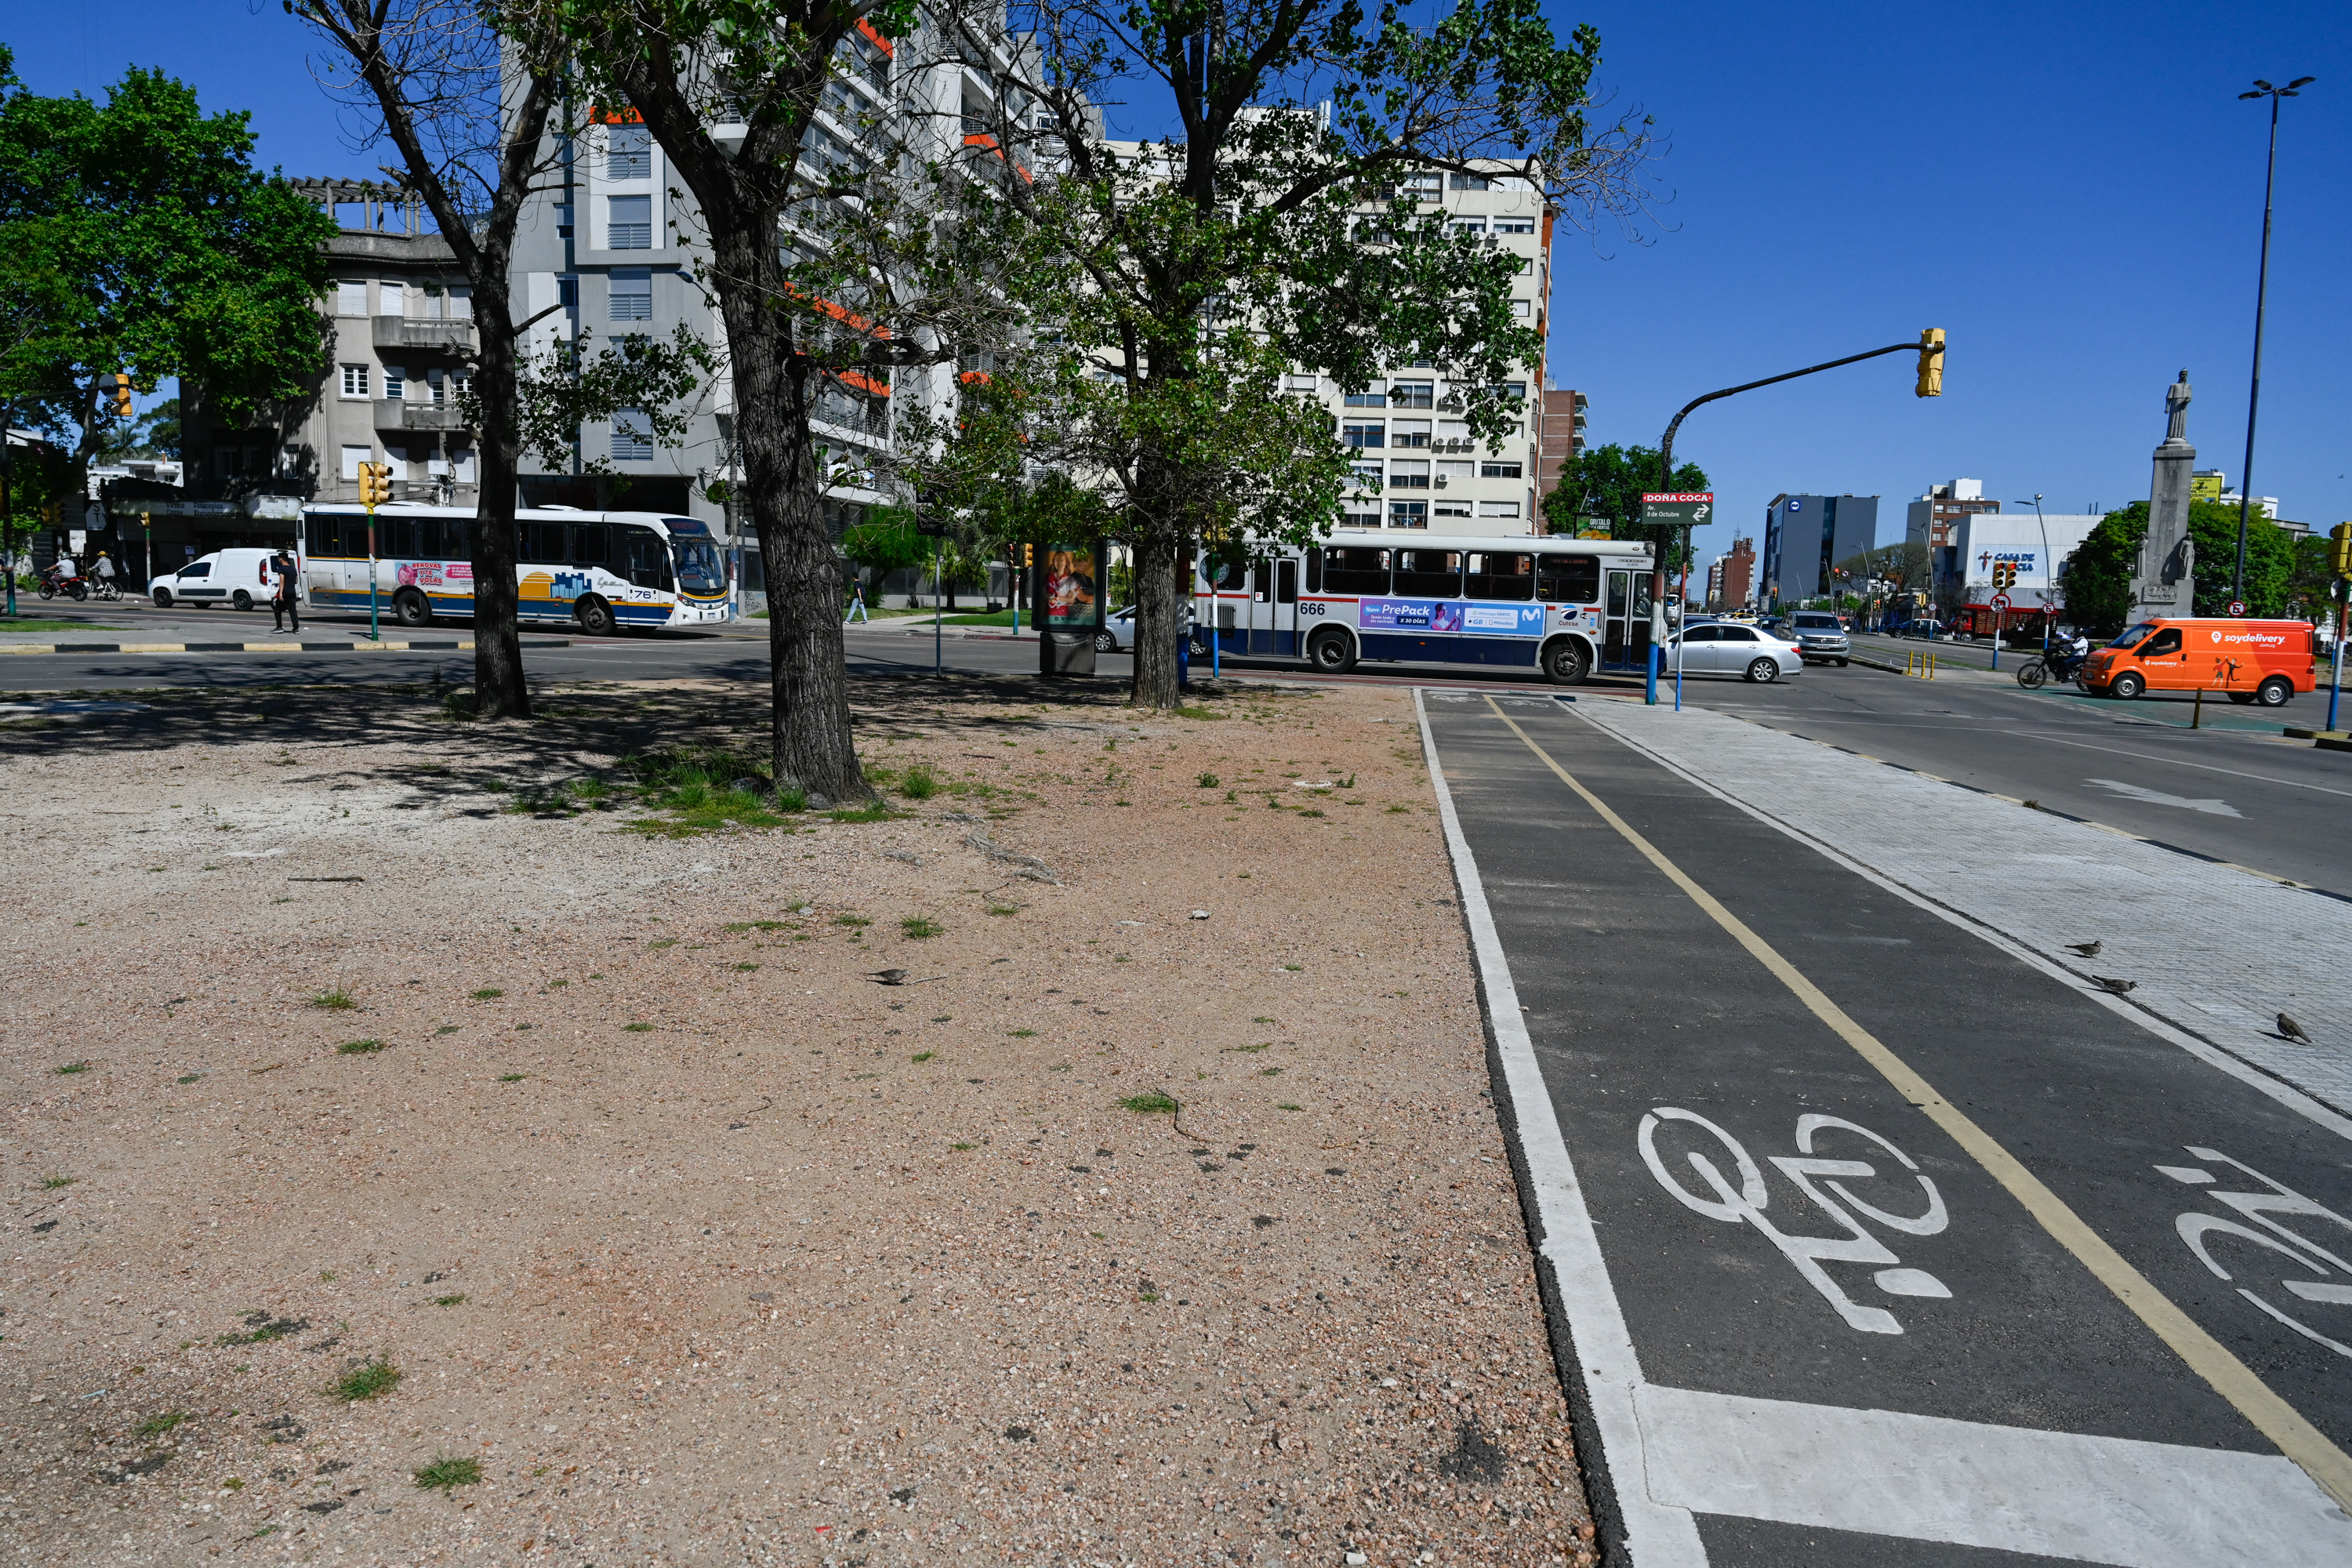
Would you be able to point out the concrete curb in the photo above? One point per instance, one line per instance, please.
(74, 647)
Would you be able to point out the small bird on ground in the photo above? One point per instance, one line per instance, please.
(2087, 949)
(889, 976)
(2291, 1030)
(2117, 986)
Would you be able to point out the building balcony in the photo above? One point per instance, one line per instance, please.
(430, 336)
(401, 414)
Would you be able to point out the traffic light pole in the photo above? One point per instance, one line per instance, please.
(1929, 346)
(372, 634)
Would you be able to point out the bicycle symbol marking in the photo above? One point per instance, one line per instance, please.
(2201, 1232)
(1818, 1178)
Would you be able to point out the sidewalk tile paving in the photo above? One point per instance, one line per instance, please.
(2217, 952)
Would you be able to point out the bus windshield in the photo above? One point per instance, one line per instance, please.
(699, 570)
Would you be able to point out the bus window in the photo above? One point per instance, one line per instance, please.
(1430, 573)
(1355, 569)
(1224, 575)
(1286, 582)
(643, 561)
(1315, 571)
(542, 544)
(1567, 579)
(1493, 577)
(699, 566)
(591, 544)
(457, 539)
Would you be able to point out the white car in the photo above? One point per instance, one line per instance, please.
(238, 577)
(1117, 634)
(1727, 647)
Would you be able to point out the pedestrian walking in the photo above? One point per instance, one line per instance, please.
(857, 607)
(284, 601)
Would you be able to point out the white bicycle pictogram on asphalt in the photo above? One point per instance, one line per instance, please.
(2202, 1232)
(1745, 1201)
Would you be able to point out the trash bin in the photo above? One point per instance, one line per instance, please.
(1065, 653)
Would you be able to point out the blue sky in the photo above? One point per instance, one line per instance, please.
(2072, 193)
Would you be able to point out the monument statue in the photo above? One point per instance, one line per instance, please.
(2164, 573)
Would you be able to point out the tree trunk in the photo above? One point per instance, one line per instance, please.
(810, 743)
(500, 689)
(1161, 578)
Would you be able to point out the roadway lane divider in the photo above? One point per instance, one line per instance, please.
(452, 646)
(2269, 1413)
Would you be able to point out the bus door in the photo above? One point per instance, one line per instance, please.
(1625, 621)
(1274, 607)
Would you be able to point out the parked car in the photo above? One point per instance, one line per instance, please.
(239, 577)
(1117, 634)
(1820, 637)
(1926, 630)
(1726, 648)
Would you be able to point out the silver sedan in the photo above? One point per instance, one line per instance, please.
(1727, 647)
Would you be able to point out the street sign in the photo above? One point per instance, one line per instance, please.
(2237, 606)
(2000, 603)
(1682, 508)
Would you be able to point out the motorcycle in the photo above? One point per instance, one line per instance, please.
(71, 587)
(2057, 662)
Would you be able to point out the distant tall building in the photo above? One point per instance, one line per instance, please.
(1936, 520)
(1738, 582)
(1806, 536)
(1563, 417)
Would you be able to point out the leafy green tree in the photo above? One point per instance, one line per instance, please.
(1609, 482)
(2097, 575)
(136, 236)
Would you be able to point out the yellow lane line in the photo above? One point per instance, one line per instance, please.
(2296, 1437)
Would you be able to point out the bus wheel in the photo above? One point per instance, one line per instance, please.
(2127, 685)
(410, 609)
(1565, 662)
(2275, 692)
(1332, 652)
(595, 617)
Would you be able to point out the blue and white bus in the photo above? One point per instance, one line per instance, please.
(1567, 606)
(598, 571)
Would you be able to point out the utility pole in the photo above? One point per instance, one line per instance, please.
(2262, 294)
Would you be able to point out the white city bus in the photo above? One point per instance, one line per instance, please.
(1568, 606)
(597, 571)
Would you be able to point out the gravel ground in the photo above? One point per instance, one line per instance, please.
(696, 1243)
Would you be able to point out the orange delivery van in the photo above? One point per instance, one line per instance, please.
(2263, 662)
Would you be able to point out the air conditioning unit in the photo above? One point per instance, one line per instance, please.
(1441, 481)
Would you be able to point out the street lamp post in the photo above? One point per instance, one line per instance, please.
(2261, 293)
(2049, 574)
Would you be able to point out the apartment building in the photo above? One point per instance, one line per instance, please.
(1564, 416)
(1417, 468)
(1805, 537)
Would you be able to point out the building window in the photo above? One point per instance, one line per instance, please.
(629, 223)
(1470, 225)
(355, 381)
(1410, 433)
(1305, 384)
(1515, 225)
(563, 220)
(1409, 476)
(1422, 186)
(628, 153)
(633, 436)
(633, 295)
(1364, 476)
(391, 299)
(352, 457)
(1372, 398)
(1490, 469)
(1411, 393)
(1408, 514)
(1451, 508)
(395, 383)
(1523, 309)
(1368, 433)
(1469, 182)
(1359, 519)
(350, 298)
(1498, 509)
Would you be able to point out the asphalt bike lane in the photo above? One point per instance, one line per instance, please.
(1874, 1243)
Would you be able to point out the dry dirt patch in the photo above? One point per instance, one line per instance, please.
(699, 1243)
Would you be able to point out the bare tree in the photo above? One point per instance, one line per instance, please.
(465, 94)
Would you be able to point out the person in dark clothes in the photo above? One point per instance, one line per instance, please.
(285, 603)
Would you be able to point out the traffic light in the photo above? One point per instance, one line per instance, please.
(1029, 556)
(2339, 550)
(1931, 362)
(121, 395)
(375, 485)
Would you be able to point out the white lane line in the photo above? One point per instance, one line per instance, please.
(1656, 1535)
(2158, 797)
(2286, 1094)
(2009, 1489)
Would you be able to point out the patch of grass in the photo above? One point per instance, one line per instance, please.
(189, 1077)
(338, 1000)
(996, 908)
(155, 1427)
(1311, 812)
(1155, 1103)
(1197, 713)
(1347, 783)
(359, 1048)
(1260, 1020)
(489, 994)
(1285, 1105)
(1292, 968)
(450, 1470)
(960, 1147)
(740, 927)
(371, 1381)
(1400, 810)
(746, 967)
(924, 1055)
(74, 1067)
(875, 810)
(512, 1076)
(920, 928)
(458, 1300)
(693, 791)
(1207, 781)
(1021, 1033)
(851, 920)
(51, 1184)
(636, 1028)
(919, 784)
(446, 1029)
(1247, 1050)
(1269, 1072)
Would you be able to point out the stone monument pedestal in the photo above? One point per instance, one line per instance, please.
(2164, 573)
